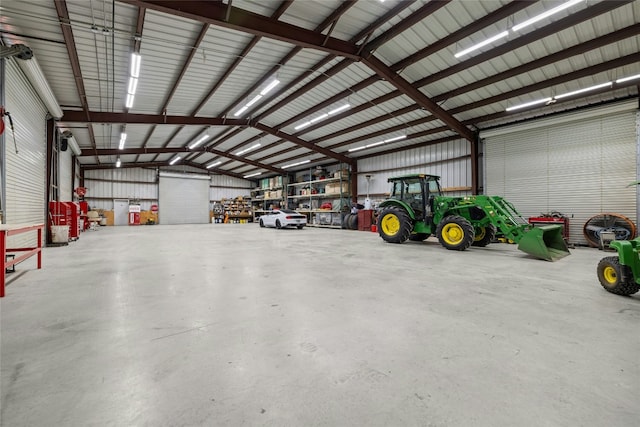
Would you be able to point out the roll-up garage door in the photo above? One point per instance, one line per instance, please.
(183, 199)
(578, 164)
(25, 170)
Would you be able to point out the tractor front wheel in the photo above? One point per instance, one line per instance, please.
(455, 233)
(484, 236)
(611, 275)
(394, 225)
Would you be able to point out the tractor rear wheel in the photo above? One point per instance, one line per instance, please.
(455, 233)
(484, 236)
(611, 275)
(394, 225)
(419, 237)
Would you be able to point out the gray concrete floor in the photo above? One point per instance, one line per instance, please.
(235, 325)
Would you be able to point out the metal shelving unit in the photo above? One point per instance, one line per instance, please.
(314, 192)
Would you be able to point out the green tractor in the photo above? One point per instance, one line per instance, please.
(417, 209)
(620, 274)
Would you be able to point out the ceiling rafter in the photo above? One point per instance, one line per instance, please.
(248, 22)
(69, 41)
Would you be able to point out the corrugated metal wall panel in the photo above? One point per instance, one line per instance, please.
(25, 171)
(450, 160)
(580, 168)
(228, 187)
(65, 185)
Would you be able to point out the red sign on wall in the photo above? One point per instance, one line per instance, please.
(154, 208)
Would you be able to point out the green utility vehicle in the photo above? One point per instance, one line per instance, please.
(417, 209)
(620, 274)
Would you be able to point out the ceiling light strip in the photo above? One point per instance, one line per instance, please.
(174, 160)
(323, 116)
(252, 174)
(295, 164)
(253, 147)
(374, 144)
(213, 165)
(199, 141)
(482, 43)
(546, 14)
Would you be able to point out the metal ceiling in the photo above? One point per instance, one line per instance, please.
(392, 61)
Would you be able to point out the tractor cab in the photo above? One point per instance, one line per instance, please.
(417, 191)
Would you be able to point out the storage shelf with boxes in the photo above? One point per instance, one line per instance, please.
(268, 196)
(324, 200)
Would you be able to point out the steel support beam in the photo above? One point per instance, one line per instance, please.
(418, 97)
(215, 13)
(150, 119)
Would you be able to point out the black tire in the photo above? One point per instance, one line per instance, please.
(394, 225)
(300, 227)
(615, 277)
(278, 223)
(345, 221)
(455, 233)
(484, 236)
(353, 222)
(261, 223)
(419, 237)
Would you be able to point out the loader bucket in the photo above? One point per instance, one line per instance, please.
(544, 242)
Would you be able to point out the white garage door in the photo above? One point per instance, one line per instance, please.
(25, 170)
(579, 164)
(183, 199)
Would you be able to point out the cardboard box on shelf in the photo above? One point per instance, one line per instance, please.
(334, 188)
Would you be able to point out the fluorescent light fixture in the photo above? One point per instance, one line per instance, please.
(136, 61)
(626, 79)
(133, 85)
(199, 141)
(213, 165)
(269, 87)
(302, 125)
(248, 149)
(118, 163)
(482, 43)
(174, 160)
(240, 111)
(252, 174)
(337, 110)
(253, 101)
(324, 116)
(295, 164)
(396, 138)
(546, 14)
(528, 104)
(74, 145)
(129, 102)
(123, 138)
(586, 89)
(357, 148)
(34, 74)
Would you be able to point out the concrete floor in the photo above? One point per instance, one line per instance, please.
(235, 325)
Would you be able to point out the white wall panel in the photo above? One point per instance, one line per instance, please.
(25, 170)
(228, 187)
(580, 167)
(65, 184)
(450, 160)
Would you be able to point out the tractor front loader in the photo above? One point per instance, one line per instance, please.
(417, 209)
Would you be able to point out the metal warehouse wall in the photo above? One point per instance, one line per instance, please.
(65, 184)
(137, 183)
(25, 171)
(450, 160)
(228, 187)
(104, 185)
(578, 163)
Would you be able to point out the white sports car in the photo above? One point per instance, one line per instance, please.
(281, 218)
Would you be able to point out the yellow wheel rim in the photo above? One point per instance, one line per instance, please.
(480, 234)
(452, 234)
(610, 275)
(390, 224)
